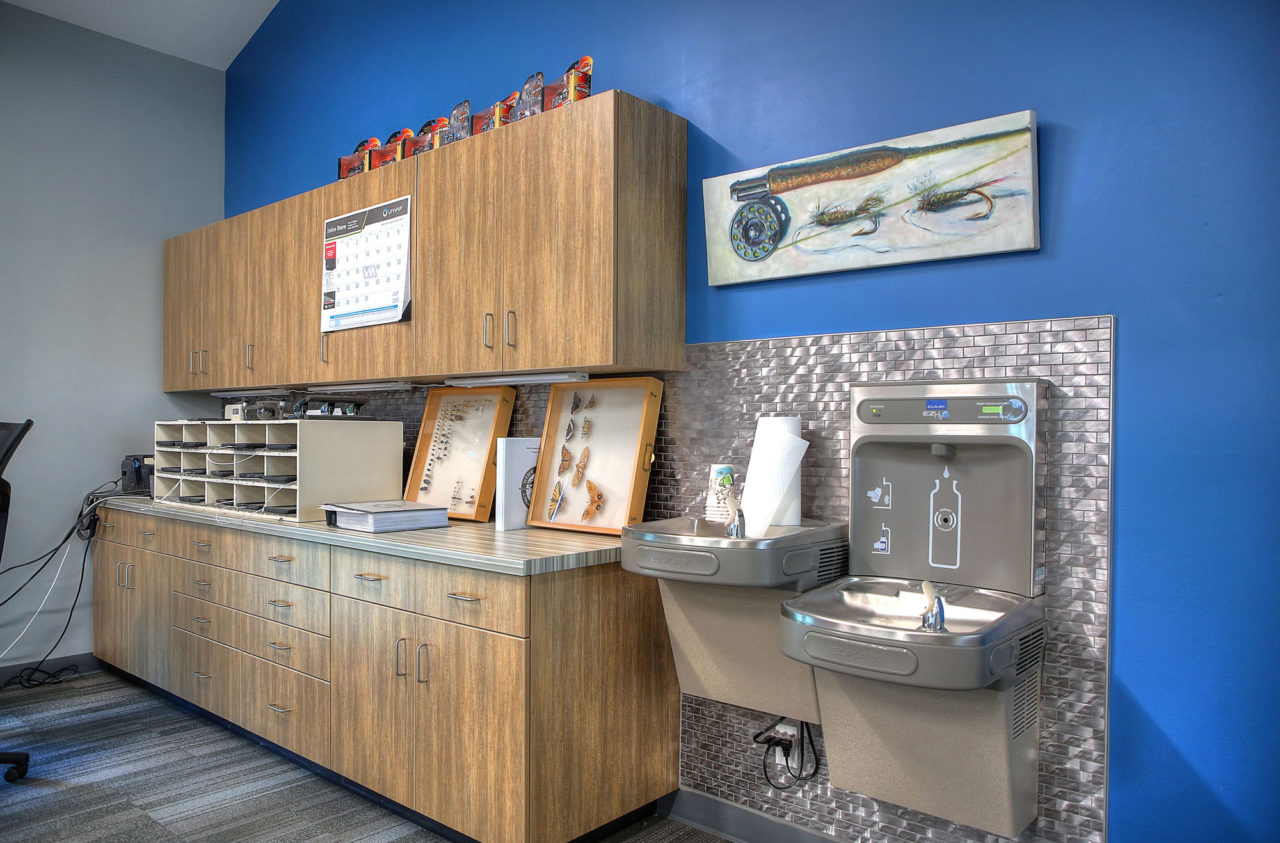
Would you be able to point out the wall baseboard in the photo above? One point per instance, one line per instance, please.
(734, 822)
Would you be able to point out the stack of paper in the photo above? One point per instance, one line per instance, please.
(385, 516)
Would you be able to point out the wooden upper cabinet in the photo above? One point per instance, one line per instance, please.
(228, 302)
(183, 310)
(458, 270)
(556, 242)
(375, 351)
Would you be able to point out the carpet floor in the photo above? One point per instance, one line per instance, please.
(114, 761)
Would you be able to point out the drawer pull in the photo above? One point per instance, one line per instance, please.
(368, 578)
(106, 525)
(283, 559)
(455, 596)
(273, 645)
(201, 583)
(197, 674)
(417, 659)
(280, 604)
(405, 642)
(200, 620)
(147, 534)
(200, 544)
(278, 709)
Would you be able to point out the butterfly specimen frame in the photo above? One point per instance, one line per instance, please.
(594, 461)
(455, 462)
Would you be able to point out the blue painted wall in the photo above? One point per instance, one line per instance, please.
(1159, 190)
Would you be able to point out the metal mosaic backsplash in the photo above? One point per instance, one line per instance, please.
(709, 414)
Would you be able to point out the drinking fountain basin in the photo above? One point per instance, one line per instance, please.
(871, 626)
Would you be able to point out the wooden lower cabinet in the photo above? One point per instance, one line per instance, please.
(131, 610)
(286, 707)
(206, 673)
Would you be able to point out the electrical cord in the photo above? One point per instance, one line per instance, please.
(35, 676)
(770, 740)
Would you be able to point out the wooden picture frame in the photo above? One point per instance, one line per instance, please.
(606, 428)
(455, 461)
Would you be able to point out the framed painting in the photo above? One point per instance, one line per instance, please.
(455, 461)
(955, 192)
(595, 456)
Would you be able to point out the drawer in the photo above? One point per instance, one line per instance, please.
(208, 620)
(285, 603)
(287, 708)
(291, 560)
(200, 542)
(499, 602)
(129, 528)
(205, 673)
(288, 646)
(375, 577)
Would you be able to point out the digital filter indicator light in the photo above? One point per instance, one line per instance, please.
(992, 409)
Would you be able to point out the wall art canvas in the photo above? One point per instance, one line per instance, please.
(949, 193)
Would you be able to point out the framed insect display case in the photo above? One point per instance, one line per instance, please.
(594, 461)
(455, 462)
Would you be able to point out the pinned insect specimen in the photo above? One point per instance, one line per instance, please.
(595, 501)
(569, 431)
(580, 467)
(586, 428)
(591, 402)
(566, 458)
(577, 403)
(553, 506)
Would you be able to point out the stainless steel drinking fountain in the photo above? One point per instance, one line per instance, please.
(721, 595)
(927, 657)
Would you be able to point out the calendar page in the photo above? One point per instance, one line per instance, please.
(366, 267)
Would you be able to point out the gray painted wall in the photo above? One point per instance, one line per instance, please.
(107, 149)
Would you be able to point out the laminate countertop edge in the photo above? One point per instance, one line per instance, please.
(465, 544)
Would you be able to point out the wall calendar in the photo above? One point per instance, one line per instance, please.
(366, 267)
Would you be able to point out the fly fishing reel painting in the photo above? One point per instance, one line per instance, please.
(955, 192)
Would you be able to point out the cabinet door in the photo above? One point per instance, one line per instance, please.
(206, 673)
(471, 729)
(183, 310)
(146, 585)
(372, 696)
(458, 270)
(226, 303)
(375, 351)
(557, 226)
(108, 598)
(286, 246)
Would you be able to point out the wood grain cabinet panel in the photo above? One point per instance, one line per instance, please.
(183, 311)
(131, 610)
(376, 577)
(206, 673)
(476, 598)
(286, 707)
(373, 696)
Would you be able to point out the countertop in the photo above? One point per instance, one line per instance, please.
(467, 544)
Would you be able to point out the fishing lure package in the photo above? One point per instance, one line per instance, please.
(391, 151)
(459, 125)
(498, 114)
(574, 85)
(358, 161)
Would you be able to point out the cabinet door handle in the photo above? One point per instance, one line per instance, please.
(201, 583)
(369, 578)
(201, 545)
(273, 645)
(248, 355)
(484, 331)
(405, 642)
(203, 352)
(510, 329)
(455, 596)
(417, 660)
(281, 559)
(191, 364)
(324, 348)
(119, 584)
(277, 709)
(127, 569)
(200, 620)
(197, 674)
(280, 604)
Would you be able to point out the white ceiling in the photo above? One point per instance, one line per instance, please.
(207, 32)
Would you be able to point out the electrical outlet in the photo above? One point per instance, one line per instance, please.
(786, 730)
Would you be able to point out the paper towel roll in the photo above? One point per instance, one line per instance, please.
(771, 494)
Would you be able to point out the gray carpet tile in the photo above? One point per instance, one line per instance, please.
(114, 761)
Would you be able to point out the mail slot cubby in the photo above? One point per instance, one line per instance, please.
(282, 469)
